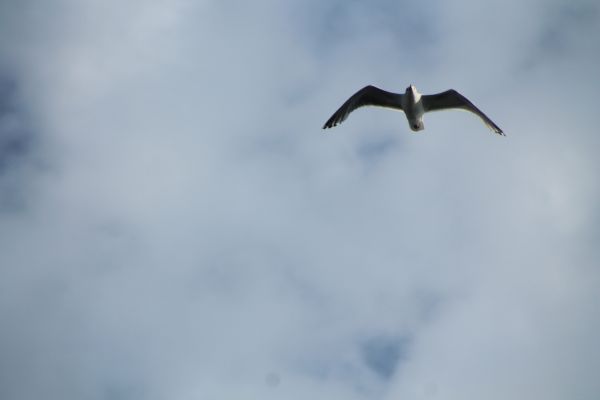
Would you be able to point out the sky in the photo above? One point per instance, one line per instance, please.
(174, 224)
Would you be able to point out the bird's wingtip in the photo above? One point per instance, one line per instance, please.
(330, 124)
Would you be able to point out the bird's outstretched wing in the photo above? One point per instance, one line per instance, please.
(367, 96)
(452, 99)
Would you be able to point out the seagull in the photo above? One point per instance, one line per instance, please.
(413, 103)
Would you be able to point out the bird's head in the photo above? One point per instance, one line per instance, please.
(416, 125)
(411, 88)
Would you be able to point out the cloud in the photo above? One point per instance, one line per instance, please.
(184, 229)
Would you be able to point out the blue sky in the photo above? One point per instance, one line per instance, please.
(175, 224)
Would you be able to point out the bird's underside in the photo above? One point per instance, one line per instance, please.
(411, 102)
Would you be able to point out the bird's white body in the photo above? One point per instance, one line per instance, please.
(413, 103)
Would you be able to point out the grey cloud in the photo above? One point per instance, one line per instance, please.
(192, 232)
(16, 146)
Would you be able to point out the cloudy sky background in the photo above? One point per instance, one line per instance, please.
(174, 224)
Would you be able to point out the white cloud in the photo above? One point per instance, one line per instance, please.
(187, 231)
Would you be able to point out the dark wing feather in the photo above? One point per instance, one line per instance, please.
(452, 99)
(367, 96)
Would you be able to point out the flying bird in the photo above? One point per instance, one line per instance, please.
(413, 103)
